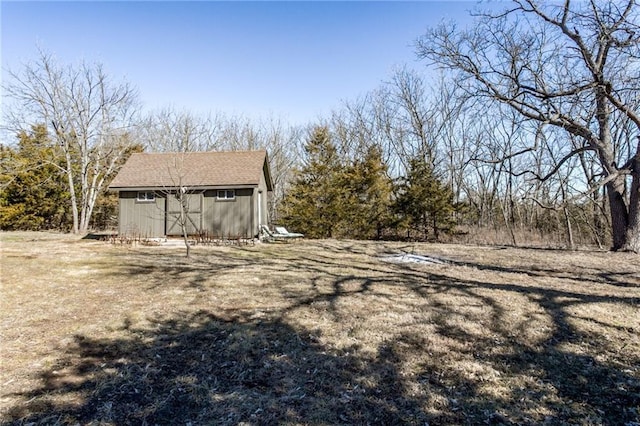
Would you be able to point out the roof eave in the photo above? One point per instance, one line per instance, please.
(172, 188)
(266, 170)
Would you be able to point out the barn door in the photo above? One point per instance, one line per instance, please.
(193, 204)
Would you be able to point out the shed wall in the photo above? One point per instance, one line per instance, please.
(229, 218)
(142, 218)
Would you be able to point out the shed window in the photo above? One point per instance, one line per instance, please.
(146, 196)
(226, 194)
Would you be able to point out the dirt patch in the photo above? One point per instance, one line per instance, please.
(316, 332)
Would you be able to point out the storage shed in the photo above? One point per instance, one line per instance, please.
(225, 193)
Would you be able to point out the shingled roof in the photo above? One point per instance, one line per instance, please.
(193, 169)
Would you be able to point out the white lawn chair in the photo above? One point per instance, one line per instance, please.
(282, 231)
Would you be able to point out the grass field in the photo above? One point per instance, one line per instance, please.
(316, 332)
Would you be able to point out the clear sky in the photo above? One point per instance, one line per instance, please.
(294, 60)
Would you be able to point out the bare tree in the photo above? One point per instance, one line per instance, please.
(180, 199)
(88, 117)
(569, 66)
(282, 142)
(415, 114)
(172, 130)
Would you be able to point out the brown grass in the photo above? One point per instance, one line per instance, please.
(316, 332)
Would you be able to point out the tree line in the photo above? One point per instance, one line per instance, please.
(333, 196)
(529, 131)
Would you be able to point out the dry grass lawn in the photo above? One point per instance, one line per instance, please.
(315, 332)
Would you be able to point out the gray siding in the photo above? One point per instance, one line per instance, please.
(142, 218)
(223, 218)
(229, 218)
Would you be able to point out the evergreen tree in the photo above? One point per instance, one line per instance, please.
(33, 192)
(423, 202)
(312, 204)
(366, 206)
(105, 213)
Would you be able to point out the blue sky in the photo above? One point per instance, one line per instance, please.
(293, 60)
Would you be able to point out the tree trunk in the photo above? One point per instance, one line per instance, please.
(567, 219)
(183, 221)
(632, 240)
(616, 187)
(619, 213)
(508, 224)
(74, 200)
(435, 226)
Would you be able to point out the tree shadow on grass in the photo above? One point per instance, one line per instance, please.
(204, 369)
(161, 268)
(571, 375)
(209, 368)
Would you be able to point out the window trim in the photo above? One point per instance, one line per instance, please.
(146, 197)
(225, 194)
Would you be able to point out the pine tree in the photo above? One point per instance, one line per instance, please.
(425, 203)
(34, 195)
(368, 199)
(312, 204)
